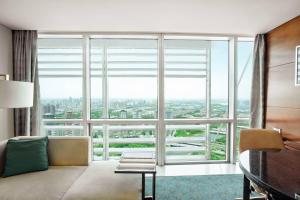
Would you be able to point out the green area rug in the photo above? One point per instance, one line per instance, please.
(207, 187)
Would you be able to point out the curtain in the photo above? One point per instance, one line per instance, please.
(26, 120)
(258, 87)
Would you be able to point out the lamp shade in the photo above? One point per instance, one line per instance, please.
(16, 94)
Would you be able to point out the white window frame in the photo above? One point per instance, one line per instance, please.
(160, 122)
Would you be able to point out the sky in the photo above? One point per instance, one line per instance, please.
(175, 88)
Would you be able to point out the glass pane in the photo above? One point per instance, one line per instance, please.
(185, 143)
(97, 134)
(196, 142)
(219, 79)
(60, 75)
(131, 66)
(131, 138)
(186, 64)
(96, 71)
(61, 98)
(132, 98)
(62, 129)
(196, 78)
(218, 141)
(97, 108)
(183, 100)
(245, 59)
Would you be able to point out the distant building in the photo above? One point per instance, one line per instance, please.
(169, 115)
(52, 109)
(123, 114)
(48, 116)
(45, 109)
(49, 109)
(138, 114)
(69, 115)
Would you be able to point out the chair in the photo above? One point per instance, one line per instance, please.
(260, 139)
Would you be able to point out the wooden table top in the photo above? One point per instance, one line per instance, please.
(276, 171)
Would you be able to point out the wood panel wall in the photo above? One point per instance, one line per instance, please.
(283, 97)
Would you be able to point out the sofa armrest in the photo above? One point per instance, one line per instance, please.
(69, 150)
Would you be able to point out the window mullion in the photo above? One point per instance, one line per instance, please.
(105, 84)
(86, 84)
(161, 135)
(208, 101)
(105, 104)
(231, 157)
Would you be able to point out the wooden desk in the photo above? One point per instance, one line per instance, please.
(276, 172)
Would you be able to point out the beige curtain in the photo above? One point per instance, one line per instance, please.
(26, 120)
(258, 83)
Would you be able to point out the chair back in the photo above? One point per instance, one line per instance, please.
(260, 139)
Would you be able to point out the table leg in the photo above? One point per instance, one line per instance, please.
(247, 191)
(143, 186)
(153, 185)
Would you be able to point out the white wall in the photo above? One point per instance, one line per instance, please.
(238, 17)
(6, 116)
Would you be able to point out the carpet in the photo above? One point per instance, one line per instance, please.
(207, 187)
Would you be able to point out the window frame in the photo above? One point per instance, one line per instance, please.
(160, 122)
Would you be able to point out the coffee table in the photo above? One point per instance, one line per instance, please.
(139, 163)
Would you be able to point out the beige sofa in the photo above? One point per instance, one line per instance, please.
(71, 175)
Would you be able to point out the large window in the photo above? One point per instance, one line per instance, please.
(166, 94)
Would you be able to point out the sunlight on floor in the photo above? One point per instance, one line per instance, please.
(198, 169)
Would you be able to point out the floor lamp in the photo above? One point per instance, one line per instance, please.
(15, 94)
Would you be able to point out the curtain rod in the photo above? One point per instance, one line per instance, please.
(142, 33)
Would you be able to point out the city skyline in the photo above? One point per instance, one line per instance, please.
(143, 108)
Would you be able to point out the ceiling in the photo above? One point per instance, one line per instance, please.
(243, 17)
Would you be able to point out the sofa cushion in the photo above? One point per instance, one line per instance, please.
(100, 182)
(47, 185)
(26, 156)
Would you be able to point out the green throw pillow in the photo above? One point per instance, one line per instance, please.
(26, 156)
